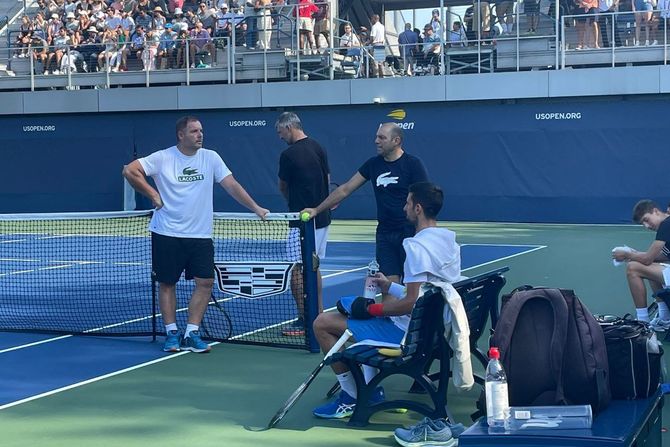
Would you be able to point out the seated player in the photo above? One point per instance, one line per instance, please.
(648, 264)
(430, 247)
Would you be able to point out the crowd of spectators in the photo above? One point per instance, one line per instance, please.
(115, 35)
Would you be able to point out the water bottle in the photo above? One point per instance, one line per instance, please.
(371, 288)
(497, 401)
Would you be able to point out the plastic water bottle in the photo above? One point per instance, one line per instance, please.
(497, 401)
(371, 288)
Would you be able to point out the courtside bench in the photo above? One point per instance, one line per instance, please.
(624, 423)
(425, 344)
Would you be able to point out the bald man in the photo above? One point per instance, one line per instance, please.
(390, 172)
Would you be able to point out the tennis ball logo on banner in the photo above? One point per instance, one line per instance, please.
(400, 115)
(190, 175)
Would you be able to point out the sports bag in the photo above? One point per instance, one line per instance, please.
(552, 349)
(634, 357)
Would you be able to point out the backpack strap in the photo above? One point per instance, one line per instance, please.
(504, 329)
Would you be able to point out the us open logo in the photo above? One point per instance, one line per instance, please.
(253, 279)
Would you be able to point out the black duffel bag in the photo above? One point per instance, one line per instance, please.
(634, 357)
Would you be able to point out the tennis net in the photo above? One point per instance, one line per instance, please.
(90, 273)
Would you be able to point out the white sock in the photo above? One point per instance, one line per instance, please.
(171, 327)
(663, 311)
(190, 328)
(347, 383)
(369, 372)
(642, 314)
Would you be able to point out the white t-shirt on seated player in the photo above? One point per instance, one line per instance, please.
(185, 184)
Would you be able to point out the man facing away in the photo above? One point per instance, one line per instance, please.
(304, 177)
(181, 227)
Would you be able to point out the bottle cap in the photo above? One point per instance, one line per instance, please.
(494, 353)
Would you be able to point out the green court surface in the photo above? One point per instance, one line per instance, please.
(220, 399)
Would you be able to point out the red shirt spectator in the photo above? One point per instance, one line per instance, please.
(306, 9)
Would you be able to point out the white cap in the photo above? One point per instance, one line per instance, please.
(224, 5)
(69, 15)
(178, 11)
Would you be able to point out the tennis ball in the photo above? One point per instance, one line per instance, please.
(304, 217)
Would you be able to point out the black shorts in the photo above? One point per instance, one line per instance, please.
(389, 251)
(170, 256)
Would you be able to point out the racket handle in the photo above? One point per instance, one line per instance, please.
(336, 347)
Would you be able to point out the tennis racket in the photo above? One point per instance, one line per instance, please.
(226, 331)
(303, 386)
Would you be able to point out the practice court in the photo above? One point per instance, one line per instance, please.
(106, 391)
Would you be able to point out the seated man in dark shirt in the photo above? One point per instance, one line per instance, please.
(649, 264)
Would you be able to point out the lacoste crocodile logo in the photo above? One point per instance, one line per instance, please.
(190, 175)
(384, 179)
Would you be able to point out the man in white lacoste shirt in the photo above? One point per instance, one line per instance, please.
(181, 227)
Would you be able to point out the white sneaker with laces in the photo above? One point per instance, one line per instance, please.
(659, 325)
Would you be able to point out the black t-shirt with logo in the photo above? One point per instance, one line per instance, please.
(304, 167)
(390, 182)
(663, 234)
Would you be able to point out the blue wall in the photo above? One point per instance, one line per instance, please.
(496, 161)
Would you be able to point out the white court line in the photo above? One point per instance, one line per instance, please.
(35, 343)
(13, 240)
(142, 365)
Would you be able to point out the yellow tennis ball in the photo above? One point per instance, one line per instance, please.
(304, 217)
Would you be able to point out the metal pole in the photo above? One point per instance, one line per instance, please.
(443, 35)
(556, 29)
(331, 27)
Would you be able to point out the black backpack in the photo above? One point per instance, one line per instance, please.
(552, 349)
(635, 372)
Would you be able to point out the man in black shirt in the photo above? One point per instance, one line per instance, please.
(304, 177)
(391, 173)
(649, 264)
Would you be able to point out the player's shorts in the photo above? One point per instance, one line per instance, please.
(170, 256)
(306, 24)
(389, 251)
(293, 244)
(379, 329)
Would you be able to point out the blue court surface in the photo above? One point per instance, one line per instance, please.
(37, 365)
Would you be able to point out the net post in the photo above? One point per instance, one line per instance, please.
(310, 262)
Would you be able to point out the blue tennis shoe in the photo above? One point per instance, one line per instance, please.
(172, 341)
(343, 406)
(194, 343)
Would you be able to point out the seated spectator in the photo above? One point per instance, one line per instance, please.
(40, 26)
(349, 40)
(111, 56)
(23, 37)
(141, 5)
(43, 9)
(143, 19)
(158, 22)
(175, 4)
(649, 265)
(150, 50)
(84, 22)
(457, 36)
(223, 22)
(431, 48)
(181, 46)
(40, 52)
(53, 27)
(432, 256)
(201, 41)
(90, 48)
(409, 46)
(60, 46)
(127, 24)
(241, 31)
(135, 46)
(167, 48)
(113, 19)
(179, 23)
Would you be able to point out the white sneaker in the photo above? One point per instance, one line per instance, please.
(646, 43)
(659, 325)
(655, 42)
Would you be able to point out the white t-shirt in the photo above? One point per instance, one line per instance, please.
(377, 34)
(185, 184)
(431, 255)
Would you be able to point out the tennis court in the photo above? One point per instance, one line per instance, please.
(62, 390)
